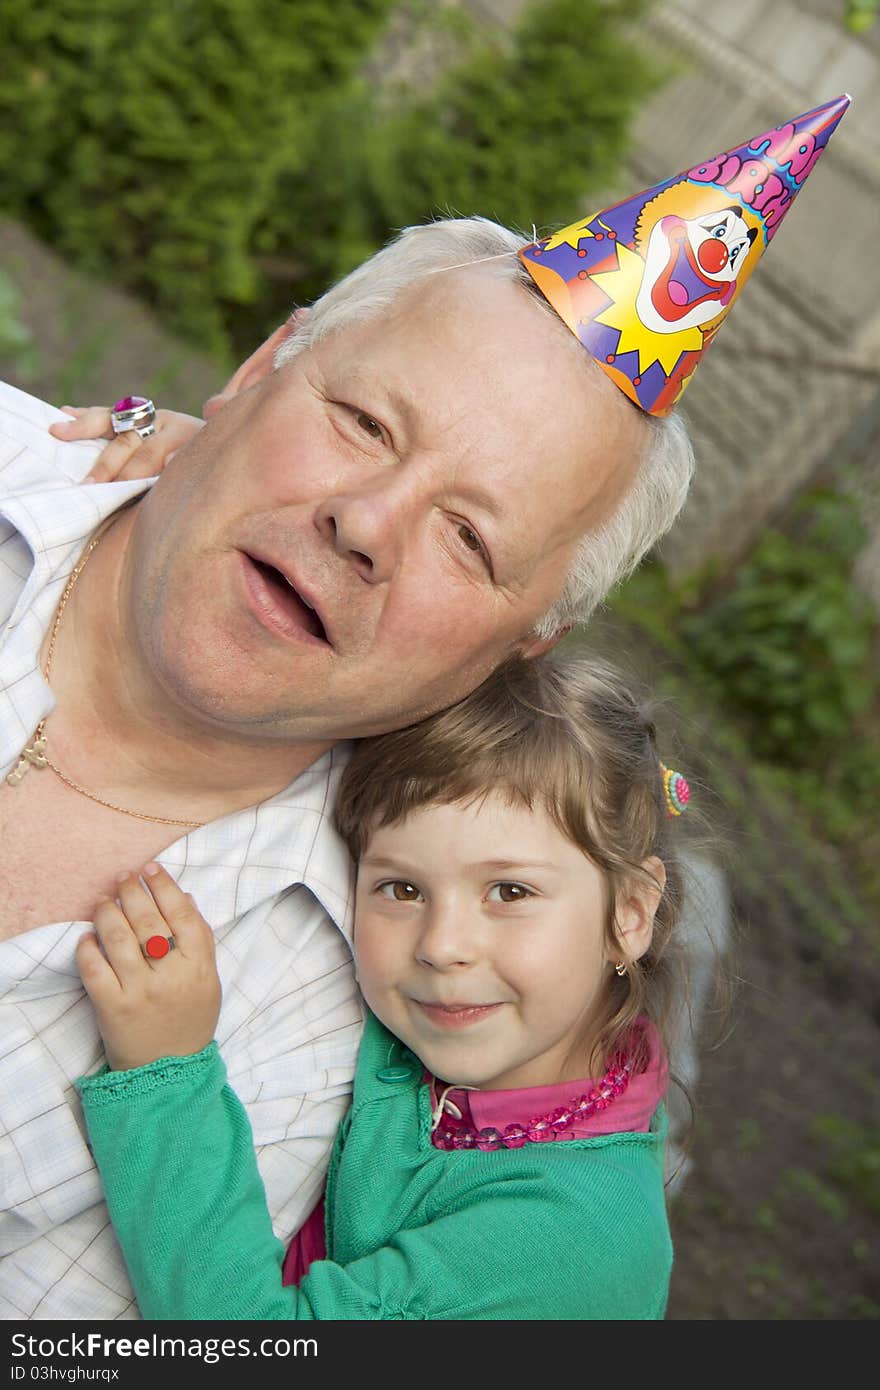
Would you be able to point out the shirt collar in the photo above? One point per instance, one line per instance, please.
(630, 1112)
(291, 840)
(55, 518)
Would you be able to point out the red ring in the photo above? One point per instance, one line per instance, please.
(156, 947)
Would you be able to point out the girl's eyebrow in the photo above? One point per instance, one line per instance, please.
(499, 865)
(379, 861)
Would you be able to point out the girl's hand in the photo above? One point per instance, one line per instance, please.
(127, 456)
(150, 1008)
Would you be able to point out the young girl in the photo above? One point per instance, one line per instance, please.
(503, 1154)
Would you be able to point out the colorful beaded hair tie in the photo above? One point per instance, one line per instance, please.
(676, 791)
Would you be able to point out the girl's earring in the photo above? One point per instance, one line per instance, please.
(620, 967)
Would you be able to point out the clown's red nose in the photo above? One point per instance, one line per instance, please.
(713, 256)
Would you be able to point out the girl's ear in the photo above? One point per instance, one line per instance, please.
(634, 914)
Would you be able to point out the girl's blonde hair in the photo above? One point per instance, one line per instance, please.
(566, 734)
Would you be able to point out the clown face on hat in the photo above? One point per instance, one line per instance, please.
(691, 268)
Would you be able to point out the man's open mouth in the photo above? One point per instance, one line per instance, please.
(279, 604)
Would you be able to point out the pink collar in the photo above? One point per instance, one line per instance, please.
(630, 1112)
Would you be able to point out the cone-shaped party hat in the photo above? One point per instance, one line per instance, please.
(646, 284)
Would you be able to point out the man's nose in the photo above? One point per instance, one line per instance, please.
(448, 938)
(368, 524)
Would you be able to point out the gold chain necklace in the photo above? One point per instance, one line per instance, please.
(35, 754)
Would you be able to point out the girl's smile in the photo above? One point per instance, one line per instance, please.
(456, 1015)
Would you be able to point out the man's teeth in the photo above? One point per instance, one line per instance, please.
(300, 596)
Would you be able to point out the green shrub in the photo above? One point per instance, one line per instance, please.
(523, 127)
(221, 158)
(853, 1157)
(789, 642)
(147, 141)
(16, 340)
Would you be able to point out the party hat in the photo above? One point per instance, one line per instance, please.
(646, 284)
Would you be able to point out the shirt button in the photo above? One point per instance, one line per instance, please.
(392, 1075)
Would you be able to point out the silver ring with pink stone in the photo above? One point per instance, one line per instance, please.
(134, 413)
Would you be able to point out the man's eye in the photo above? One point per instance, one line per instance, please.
(399, 890)
(508, 893)
(369, 425)
(471, 540)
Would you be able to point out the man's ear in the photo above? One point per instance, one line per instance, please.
(257, 366)
(535, 646)
(634, 914)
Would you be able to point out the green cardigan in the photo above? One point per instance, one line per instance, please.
(574, 1229)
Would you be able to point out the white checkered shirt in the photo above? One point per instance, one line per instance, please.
(275, 883)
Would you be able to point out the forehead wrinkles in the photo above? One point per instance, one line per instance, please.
(464, 321)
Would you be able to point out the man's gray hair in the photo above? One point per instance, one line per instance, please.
(606, 555)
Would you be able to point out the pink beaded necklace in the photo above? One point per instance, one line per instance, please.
(458, 1134)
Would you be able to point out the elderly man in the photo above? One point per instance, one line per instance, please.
(429, 475)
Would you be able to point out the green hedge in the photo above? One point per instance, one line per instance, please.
(791, 638)
(223, 159)
(521, 129)
(785, 648)
(146, 141)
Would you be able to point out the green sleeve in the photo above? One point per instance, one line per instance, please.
(176, 1155)
(175, 1151)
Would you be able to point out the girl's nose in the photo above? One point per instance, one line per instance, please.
(447, 940)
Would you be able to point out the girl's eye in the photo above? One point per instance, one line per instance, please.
(400, 891)
(508, 893)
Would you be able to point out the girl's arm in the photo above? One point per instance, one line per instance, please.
(170, 1137)
(149, 969)
(175, 1151)
(523, 1242)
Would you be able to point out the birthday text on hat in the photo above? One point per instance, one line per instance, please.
(756, 181)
